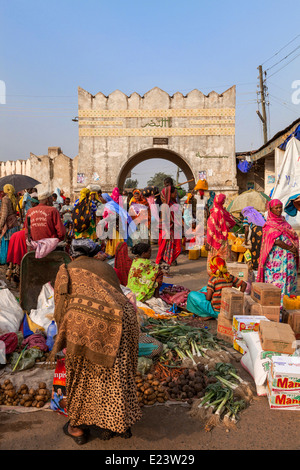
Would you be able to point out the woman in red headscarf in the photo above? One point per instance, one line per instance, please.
(279, 257)
(169, 242)
(219, 224)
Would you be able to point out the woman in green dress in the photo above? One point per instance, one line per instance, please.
(144, 278)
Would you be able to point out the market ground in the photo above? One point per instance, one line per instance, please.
(163, 427)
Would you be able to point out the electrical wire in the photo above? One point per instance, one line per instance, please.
(283, 66)
(282, 103)
(298, 35)
(281, 60)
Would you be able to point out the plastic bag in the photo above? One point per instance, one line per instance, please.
(27, 360)
(144, 365)
(44, 312)
(2, 353)
(11, 314)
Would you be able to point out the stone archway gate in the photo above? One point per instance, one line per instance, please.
(196, 132)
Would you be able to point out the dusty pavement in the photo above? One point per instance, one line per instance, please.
(163, 427)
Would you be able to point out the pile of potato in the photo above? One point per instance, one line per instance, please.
(24, 396)
(189, 385)
(150, 390)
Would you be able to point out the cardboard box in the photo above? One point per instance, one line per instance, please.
(251, 307)
(282, 400)
(278, 337)
(232, 302)
(293, 319)
(244, 323)
(266, 294)
(284, 374)
(239, 270)
(224, 329)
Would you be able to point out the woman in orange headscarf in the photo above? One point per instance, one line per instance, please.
(139, 210)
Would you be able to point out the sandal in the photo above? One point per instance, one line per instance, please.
(80, 440)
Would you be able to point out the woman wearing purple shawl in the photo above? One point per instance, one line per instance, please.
(253, 223)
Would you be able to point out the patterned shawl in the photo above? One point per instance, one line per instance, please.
(89, 307)
(274, 227)
(219, 223)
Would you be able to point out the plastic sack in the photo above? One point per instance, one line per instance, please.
(11, 314)
(144, 365)
(2, 353)
(260, 359)
(27, 360)
(43, 314)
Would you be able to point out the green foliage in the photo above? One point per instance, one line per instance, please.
(158, 180)
(130, 183)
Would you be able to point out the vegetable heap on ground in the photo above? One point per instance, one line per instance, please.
(195, 367)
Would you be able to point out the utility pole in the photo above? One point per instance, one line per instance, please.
(263, 117)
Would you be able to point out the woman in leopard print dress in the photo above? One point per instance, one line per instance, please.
(99, 328)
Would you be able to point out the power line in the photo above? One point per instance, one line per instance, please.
(283, 59)
(284, 66)
(281, 49)
(279, 101)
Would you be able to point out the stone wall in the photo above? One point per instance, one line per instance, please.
(116, 132)
(54, 170)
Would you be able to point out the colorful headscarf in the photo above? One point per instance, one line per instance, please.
(253, 216)
(218, 267)
(275, 226)
(211, 199)
(85, 192)
(115, 195)
(10, 191)
(219, 223)
(96, 195)
(112, 206)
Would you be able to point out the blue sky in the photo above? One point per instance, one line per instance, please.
(48, 49)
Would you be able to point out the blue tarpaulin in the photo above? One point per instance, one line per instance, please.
(296, 134)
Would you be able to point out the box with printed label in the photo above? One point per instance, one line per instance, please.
(243, 324)
(232, 302)
(283, 400)
(276, 336)
(266, 294)
(224, 328)
(285, 373)
(239, 270)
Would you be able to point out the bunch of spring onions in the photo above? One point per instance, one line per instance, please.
(223, 399)
(182, 341)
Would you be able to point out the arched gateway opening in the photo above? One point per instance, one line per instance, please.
(156, 153)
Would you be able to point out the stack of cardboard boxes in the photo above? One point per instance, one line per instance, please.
(283, 383)
(265, 299)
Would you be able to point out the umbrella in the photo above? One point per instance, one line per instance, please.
(19, 182)
(256, 199)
